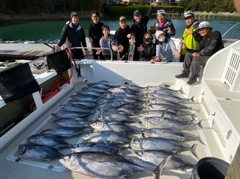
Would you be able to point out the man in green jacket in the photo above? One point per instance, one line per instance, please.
(190, 40)
(210, 44)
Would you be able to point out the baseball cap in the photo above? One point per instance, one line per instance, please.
(189, 13)
(204, 24)
(122, 18)
(159, 32)
(136, 12)
(161, 11)
(73, 14)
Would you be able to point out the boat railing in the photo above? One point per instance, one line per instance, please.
(96, 48)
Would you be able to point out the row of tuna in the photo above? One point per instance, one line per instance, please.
(108, 118)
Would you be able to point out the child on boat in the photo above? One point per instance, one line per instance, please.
(107, 41)
(149, 47)
(166, 50)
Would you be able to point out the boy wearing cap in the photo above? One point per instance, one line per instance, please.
(164, 24)
(139, 28)
(210, 44)
(74, 34)
(122, 36)
(189, 41)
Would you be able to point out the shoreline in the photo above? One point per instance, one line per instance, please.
(86, 15)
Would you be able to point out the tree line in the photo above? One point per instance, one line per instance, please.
(209, 5)
(66, 6)
(48, 6)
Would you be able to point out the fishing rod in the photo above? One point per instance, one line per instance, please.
(230, 29)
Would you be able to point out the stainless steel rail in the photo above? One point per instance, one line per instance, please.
(96, 48)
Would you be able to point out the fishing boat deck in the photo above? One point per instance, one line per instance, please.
(11, 165)
(218, 115)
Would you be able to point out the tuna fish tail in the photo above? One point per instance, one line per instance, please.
(181, 91)
(141, 124)
(193, 150)
(200, 124)
(158, 171)
(193, 115)
(200, 140)
(192, 99)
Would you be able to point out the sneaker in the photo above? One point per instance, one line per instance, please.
(192, 80)
(183, 75)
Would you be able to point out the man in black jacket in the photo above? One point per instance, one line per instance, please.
(74, 36)
(139, 28)
(210, 44)
(122, 36)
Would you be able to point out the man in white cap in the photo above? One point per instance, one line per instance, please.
(190, 36)
(164, 24)
(210, 44)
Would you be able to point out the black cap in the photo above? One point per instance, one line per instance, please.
(73, 14)
(136, 12)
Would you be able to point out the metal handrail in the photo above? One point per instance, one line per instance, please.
(96, 48)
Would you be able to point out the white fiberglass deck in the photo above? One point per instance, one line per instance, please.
(27, 169)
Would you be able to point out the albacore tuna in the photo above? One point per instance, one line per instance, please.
(79, 122)
(107, 137)
(155, 157)
(98, 147)
(48, 140)
(172, 134)
(163, 145)
(106, 166)
(117, 127)
(66, 131)
(38, 152)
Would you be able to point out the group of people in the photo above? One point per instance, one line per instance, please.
(198, 42)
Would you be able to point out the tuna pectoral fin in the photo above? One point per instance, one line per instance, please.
(130, 144)
(158, 171)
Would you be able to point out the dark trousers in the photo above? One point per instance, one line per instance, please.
(182, 58)
(108, 57)
(136, 55)
(95, 56)
(194, 63)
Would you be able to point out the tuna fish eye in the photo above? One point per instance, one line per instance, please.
(22, 149)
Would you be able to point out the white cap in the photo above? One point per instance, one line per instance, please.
(204, 24)
(189, 13)
(159, 32)
(161, 11)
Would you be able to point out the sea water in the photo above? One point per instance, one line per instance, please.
(51, 30)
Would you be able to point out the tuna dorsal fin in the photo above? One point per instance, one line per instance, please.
(158, 171)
